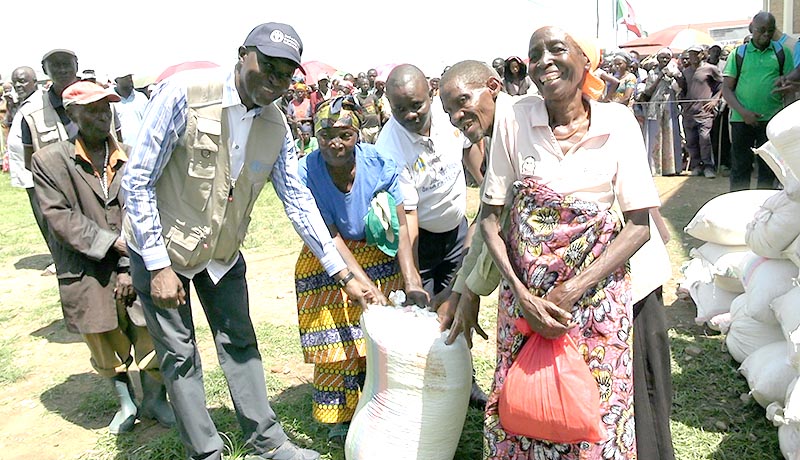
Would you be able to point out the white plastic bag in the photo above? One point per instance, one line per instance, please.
(416, 392)
(724, 219)
(768, 373)
(774, 226)
(747, 335)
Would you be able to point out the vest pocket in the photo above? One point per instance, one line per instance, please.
(48, 136)
(202, 163)
(182, 246)
(200, 178)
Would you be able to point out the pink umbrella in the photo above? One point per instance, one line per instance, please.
(314, 69)
(191, 65)
(384, 70)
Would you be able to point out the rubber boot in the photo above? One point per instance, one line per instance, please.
(154, 401)
(125, 417)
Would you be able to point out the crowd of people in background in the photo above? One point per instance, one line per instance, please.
(198, 148)
(677, 96)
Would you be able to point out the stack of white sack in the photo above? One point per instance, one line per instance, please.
(774, 233)
(754, 323)
(786, 416)
(416, 392)
(775, 228)
(711, 276)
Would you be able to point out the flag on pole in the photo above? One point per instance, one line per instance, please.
(625, 15)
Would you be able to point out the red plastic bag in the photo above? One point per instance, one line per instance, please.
(549, 392)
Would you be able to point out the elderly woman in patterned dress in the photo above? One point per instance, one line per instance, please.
(560, 162)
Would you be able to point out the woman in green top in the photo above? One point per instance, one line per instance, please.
(306, 143)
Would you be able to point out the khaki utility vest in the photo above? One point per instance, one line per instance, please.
(205, 215)
(43, 121)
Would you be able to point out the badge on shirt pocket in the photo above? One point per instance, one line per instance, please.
(528, 166)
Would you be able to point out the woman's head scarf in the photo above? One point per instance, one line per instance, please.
(624, 56)
(339, 112)
(664, 50)
(593, 86)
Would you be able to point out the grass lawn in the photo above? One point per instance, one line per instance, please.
(709, 421)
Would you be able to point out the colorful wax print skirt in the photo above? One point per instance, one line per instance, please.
(551, 239)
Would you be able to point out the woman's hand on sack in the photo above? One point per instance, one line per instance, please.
(545, 318)
(466, 318)
(417, 296)
(364, 294)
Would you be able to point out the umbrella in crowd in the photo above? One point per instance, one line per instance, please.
(191, 65)
(677, 38)
(313, 69)
(383, 70)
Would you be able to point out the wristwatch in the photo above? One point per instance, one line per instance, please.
(346, 279)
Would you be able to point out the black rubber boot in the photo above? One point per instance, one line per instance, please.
(154, 401)
(477, 398)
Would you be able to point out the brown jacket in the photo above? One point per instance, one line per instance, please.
(83, 229)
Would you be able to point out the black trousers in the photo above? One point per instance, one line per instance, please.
(440, 256)
(227, 308)
(721, 138)
(743, 138)
(652, 379)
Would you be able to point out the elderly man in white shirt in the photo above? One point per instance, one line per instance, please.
(428, 149)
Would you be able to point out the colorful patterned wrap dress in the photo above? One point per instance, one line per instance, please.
(330, 335)
(552, 238)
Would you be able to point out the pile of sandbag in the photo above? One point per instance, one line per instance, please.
(712, 276)
(416, 393)
(750, 263)
(774, 233)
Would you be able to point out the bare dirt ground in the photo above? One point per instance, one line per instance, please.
(45, 415)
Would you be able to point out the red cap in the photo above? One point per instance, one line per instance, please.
(86, 92)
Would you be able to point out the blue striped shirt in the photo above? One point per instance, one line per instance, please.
(163, 126)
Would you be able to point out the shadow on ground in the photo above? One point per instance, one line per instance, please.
(720, 405)
(708, 389)
(34, 262)
(56, 332)
(84, 399)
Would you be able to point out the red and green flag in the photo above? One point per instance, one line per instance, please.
(626, 16)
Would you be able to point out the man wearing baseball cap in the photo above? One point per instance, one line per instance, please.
(701, 83)
(44, 119)
(77, 184)
(209, 142)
